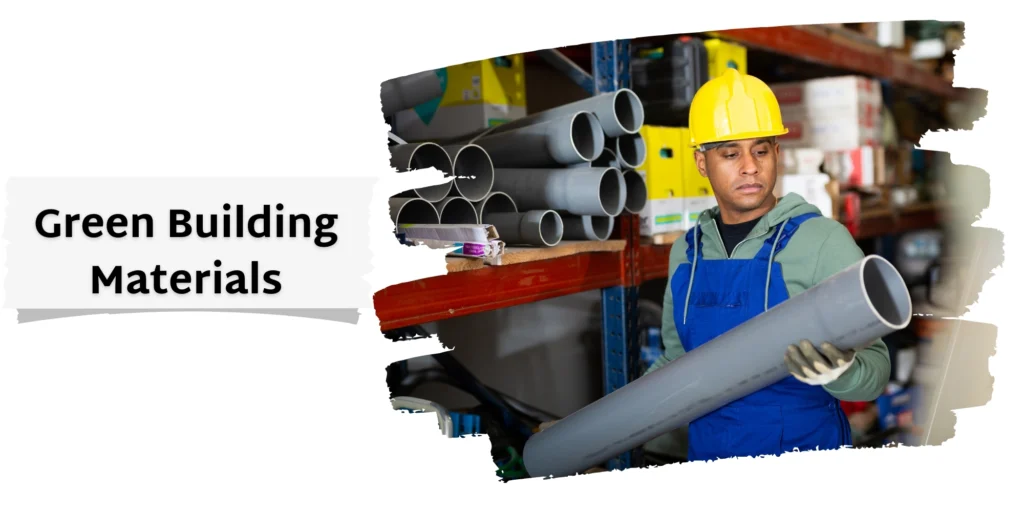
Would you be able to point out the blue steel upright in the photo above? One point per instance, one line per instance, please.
(619, 336)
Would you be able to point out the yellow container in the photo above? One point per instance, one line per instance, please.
(477, 95)
(666, 154)
(723, 55)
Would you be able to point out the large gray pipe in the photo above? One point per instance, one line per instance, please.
(423, 155)
(409, 91)
(536, 227)
(636, 191)
(495, 202)
(570, 139)
(618, 112)
(579, 191)
(412, 210)
(474, 171)
(866, 301)
(456, 210)
(587, 227)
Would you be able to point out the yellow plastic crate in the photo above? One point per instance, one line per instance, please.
(723, 55)
(666, 154)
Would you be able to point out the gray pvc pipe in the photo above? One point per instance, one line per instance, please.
(456, 210)
(473, 169)
(587, 227)
(636, 191)
(566, 140)
(409, 91)
(536, 227)
(412, 210)
(619, 113)
(630, 151)
(423, 155)
(866, 301)
(579, 191)
(495, 202)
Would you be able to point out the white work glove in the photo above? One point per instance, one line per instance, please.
(817, 368)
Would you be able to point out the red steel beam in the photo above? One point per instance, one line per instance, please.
(494, 287)
(818, 48)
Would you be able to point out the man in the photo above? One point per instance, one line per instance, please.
(753, 251)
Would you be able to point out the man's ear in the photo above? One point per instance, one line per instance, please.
(701, 160)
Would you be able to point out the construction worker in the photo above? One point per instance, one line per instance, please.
(747, 254)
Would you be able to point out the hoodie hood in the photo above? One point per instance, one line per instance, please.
(790, 205)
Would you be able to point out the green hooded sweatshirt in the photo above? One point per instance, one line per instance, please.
(820, 248)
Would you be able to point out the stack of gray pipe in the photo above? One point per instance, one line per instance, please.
(449, 203)
(574, 162)
(452, 202)
(563, 173)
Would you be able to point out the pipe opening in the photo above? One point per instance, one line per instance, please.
(631, 150)
(602, 226)
(427, 156)
(629, 111)
(551, 228)
(587, 136)
(886, 293)
(458, 210)
(496, 202)
(610, 192)
(474, 173)
(636, 191)
(417, 211)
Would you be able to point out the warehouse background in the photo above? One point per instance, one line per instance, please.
(856, 98)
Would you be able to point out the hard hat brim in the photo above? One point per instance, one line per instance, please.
(741, 136)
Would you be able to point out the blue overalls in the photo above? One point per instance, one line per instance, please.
(719, 295)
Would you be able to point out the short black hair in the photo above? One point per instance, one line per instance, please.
(703, 148)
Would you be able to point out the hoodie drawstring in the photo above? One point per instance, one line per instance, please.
(771, 257)
(693, 270)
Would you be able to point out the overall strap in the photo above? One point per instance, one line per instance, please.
(777, 242)
(690, 244)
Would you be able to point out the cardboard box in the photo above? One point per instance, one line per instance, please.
(812, 187)
(477, 96)
(862, 167)
(831, 129)
(828, 93)
(662, 216)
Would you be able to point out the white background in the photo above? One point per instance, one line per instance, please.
(217, 410)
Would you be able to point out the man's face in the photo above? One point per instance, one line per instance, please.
(742, 173)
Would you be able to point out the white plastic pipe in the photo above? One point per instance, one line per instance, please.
(566, 140)
(636, 191)
(412, 210)
(423, 155)
(851, 309)
(473, 169)
(409, 91)
(579, 191)
(536, 227)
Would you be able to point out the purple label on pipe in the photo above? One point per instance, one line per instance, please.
(470, 249)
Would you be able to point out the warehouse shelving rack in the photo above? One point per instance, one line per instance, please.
(619, 274)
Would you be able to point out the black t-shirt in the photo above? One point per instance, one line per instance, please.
(733, 234)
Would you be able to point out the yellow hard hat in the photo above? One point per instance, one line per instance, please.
(734, 106)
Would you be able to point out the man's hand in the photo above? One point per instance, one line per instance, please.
(546, 425)
(816, 368)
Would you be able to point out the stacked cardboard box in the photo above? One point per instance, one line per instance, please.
(832, 114)
(477, 96)
(676, 192)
